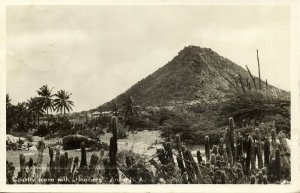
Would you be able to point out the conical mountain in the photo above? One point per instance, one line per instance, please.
(195, 75)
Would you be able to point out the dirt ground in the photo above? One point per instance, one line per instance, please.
(142, 142)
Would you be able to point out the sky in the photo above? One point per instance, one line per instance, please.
(98, 52)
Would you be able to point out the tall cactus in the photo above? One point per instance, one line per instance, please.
(266, 152)
(258, 149)
(179, 156)
(221, 149)
(83, 161)
(178, 142)
(75, 164)
(62, 163)
(189, 166)
(30, 168)
(277, 168)
(249, 152)
(240, 146)
(207, 148)
(41, 146)
(231, 133)
(57, 156)
(232, 141)
(51, 163)
(66, 163)
(113, 149)
(22, 172)
(93, 163)
(273, 142)
(228, 149)
(199, 157)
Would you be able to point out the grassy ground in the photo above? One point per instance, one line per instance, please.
(142, 142)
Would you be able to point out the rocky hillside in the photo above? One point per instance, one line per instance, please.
(193, 76)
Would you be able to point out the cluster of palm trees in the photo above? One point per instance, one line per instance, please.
(44, 103)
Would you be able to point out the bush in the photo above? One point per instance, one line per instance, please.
(256, 105)
(74, 141)
(42, 131)
(62, 126)
(91, 133)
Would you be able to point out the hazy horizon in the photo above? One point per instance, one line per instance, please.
(98, 52)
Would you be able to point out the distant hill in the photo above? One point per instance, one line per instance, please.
(191, 95)
(193, 76)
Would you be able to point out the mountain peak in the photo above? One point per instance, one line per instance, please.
(194, 75)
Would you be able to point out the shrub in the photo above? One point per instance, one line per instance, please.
(74, 141)
(61, 125)
(91, 133)
(42, 131)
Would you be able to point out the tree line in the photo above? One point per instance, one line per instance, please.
(26, 115)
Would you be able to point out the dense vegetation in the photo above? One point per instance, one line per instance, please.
(232, 161)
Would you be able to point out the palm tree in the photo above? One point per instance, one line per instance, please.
(35, 106)
(46, 100)
(62, 102)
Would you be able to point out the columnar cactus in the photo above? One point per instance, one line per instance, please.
(207, 147)
(178, 142)
(93, 163)
(266, 152)
(113, 149)
(83, 156)
(221, 149)
(277, 168)
(260, 156)
(62, 163)
(41, 146)
(66, 163)
(235, 157)
(273, 142)
(189, 166)
(51, 163)
(240, 146)
(22, 172)
(249, 152)
(231, 133)
(199, 157)
(30, 168)
(228, 147)
(75, 164)
(258, 149)
(179, 159)
(57, 156)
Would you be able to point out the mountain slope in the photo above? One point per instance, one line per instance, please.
(193, 76)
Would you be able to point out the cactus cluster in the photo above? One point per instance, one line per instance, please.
(237, 159)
